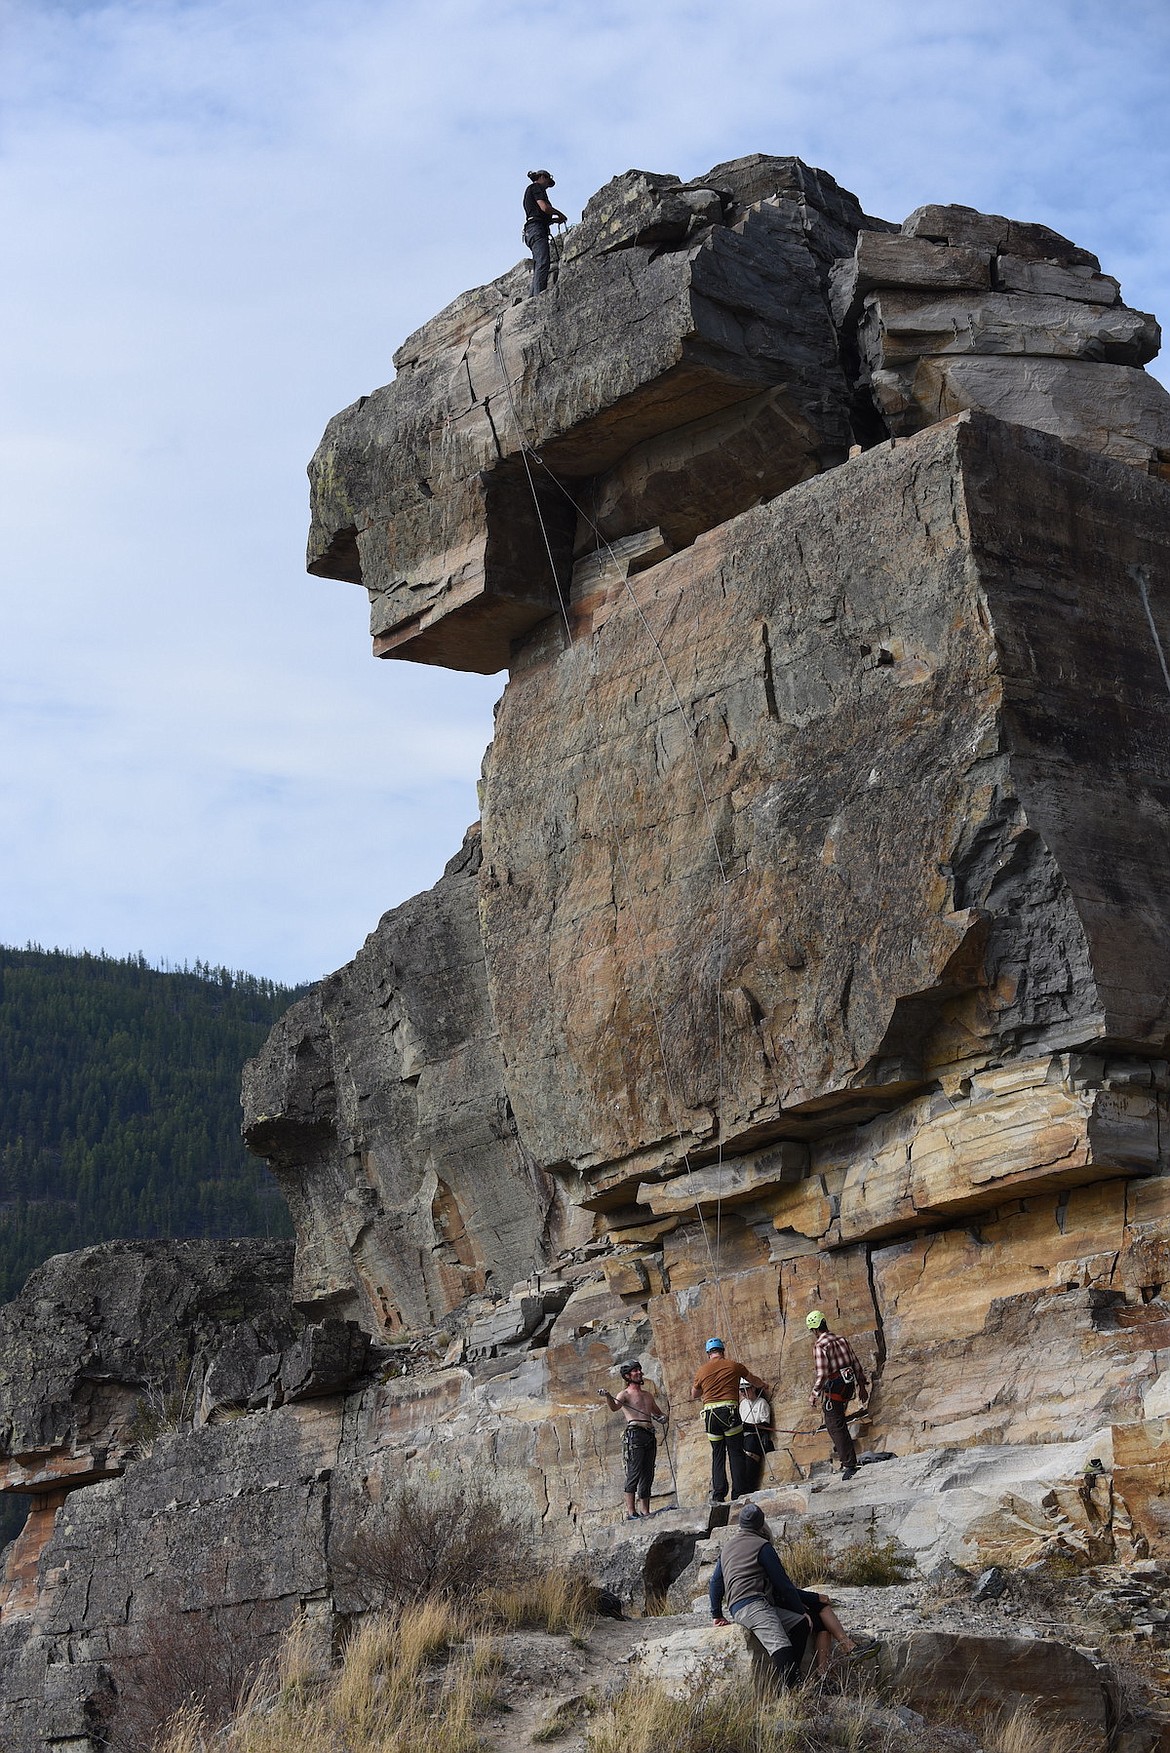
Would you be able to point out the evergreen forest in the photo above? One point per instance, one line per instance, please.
(120, 1104)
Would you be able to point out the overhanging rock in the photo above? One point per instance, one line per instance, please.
(698, 312)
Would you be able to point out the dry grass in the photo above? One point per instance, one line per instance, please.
(1022, 1731)
(809, 1559)
(415, 1681)
(556, 1601)
(806, 1555)
(415, 1684)
(732, 1718)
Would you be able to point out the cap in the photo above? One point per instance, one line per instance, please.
(713, 1345)
(814, 1320)
(751, 1516)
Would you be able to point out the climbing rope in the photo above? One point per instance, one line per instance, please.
(529, 455)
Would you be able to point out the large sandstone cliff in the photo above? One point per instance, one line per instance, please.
(813, 947)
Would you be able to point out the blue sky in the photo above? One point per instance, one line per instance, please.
(221, 219)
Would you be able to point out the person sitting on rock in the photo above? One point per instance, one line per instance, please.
(539, 216)
(717, 1386)
(639, 1443)
(788, 1612)
(760, 1595)
(838, 1377)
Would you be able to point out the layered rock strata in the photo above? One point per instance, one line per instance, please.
(971, 310)
(812, 952)
(825, 833)
(226, 1524)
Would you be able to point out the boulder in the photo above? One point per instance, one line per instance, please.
(993, 1676)
(425, 491)
(709, 1654)
(638, 1562)
(326, 1359)
(108, 1344)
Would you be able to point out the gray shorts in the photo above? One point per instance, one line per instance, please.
(768, 1625)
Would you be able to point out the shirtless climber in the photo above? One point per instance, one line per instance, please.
(639, 1443)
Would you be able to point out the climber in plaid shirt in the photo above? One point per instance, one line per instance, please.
(838, 1377)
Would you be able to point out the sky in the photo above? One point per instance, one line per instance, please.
(220, 219)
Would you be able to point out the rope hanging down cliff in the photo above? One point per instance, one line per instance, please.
(529, 455)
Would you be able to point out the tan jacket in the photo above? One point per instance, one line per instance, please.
(719, 1379)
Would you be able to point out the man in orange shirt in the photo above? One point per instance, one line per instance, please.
(717, 1385)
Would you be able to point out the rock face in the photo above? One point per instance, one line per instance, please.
(380, 1104)
(822, 911)
(970, 310)
(854, 804)
(812, 952)
(427, 492)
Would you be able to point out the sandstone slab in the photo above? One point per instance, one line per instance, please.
(1065, 1690)
(900, 326)
(1115, 409)
(748, 791)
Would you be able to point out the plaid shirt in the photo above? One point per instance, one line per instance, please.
(833, 1354)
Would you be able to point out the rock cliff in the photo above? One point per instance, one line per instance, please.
(812, 949)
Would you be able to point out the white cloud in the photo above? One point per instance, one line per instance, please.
(226, 217)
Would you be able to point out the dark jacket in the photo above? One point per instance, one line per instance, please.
(749, 1569)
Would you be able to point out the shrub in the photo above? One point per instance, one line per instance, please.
(451, 1539)
(163, 1407)
(200, 1663)
(448, 1539)
(871, 1563)
(809, 1558)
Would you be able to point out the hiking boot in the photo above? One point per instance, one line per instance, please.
(848, 1472)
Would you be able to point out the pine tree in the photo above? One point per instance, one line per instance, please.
(120, 1104)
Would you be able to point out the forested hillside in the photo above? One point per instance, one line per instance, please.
(120, 1104)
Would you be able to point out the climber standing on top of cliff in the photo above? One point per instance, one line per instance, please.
(539, 217)
(639, 1443)
(717, 1386)
(838, 1377)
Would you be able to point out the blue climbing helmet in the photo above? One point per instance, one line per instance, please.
(713, 1345)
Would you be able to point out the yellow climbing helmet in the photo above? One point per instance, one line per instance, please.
(814, 1320)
